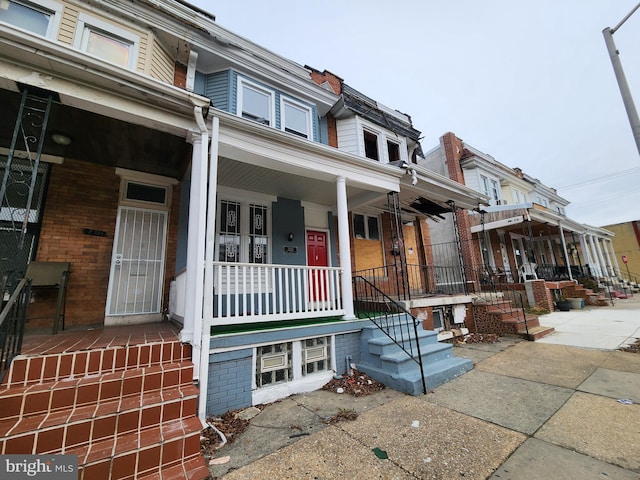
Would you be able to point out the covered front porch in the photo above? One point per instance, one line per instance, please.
(525, 242)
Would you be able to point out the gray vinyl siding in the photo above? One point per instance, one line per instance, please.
(348, 136)
(217, 89)
(222, 89)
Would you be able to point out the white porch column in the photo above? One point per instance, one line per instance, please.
(586, 254)
(210, 245)
(567, 262)
(612, 272)
(601, 257)
(594, 257)
(345, 248)
(615, 258)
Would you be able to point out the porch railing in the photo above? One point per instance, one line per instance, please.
(12, 320)
(393, 319)
(249, 292)
(404, 282)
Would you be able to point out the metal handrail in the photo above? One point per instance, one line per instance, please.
(402, 334)
(12, 321)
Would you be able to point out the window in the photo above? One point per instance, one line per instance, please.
(108, 42)
(37, 19)
(296, 118)
(288, 361)
(255, 103)
(239, 241)
(274, 364)
(316, 355)
(366, 227)
(484, 184)
(438, 315)
(371, 145)
(393, 150)
(495, 191)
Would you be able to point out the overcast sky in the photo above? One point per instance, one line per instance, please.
(529, 83)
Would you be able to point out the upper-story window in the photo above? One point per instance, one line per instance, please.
(296, 118)
(109, 42)
(542, 201)
(255, 103)
(371, 145)
(491, 188)
(393, 150)
(40, 18)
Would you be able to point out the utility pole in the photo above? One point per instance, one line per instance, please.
(614, 55)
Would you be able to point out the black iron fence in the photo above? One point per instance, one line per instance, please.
(12, 321)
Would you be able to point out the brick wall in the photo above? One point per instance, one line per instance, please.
(346, 345)
(83, 195)
(180, 75)
(229, 382)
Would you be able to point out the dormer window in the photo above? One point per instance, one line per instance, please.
(108, 42)
(393, 150)
(255, 103)
(296, 118)
(38, 18)
(371, 145)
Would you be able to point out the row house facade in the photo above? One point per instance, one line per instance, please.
(173, 171)
(524, 233)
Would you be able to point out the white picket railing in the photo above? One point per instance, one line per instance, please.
(249, 292)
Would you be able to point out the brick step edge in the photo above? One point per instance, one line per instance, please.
(48, 433)
(32, 369)
(147, 452)
(90, 390)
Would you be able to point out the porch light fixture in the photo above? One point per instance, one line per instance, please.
(290, 237)
(61, 139)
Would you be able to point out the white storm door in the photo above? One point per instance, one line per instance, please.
(137, 263)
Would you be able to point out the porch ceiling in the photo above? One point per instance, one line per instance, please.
(267, 181)
(99, 139)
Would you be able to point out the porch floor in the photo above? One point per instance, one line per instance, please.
(91, 338)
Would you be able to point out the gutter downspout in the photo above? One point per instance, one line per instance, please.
(195, 242)
(210, 237)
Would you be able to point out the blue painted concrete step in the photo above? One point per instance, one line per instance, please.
(385, 361)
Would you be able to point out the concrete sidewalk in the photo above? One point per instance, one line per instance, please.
(527, 411)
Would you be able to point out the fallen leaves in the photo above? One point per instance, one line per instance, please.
(357, 384)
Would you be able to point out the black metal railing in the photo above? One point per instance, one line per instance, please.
(12, 321)
(388, 315)
(403, 282)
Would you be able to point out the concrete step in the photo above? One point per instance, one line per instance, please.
(536, 332)
(410, 382)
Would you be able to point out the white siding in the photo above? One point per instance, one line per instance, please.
(348, 136)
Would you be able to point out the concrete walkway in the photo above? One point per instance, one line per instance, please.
(527, 411)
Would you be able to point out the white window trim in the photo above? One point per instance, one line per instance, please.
(286, 100)
(132, 176)
(87, 23)
(383, 137)
(242, 82)
(299, 383)
(54, 9)
(366, 226)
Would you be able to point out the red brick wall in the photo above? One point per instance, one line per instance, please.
(180, 75)
(85, 195)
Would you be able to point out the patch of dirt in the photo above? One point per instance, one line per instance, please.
(477, 338)
(358, 384)
(632, 348)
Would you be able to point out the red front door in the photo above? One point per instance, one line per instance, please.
(317, 257)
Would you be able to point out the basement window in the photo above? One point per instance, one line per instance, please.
(316, 355)
(274, 364)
